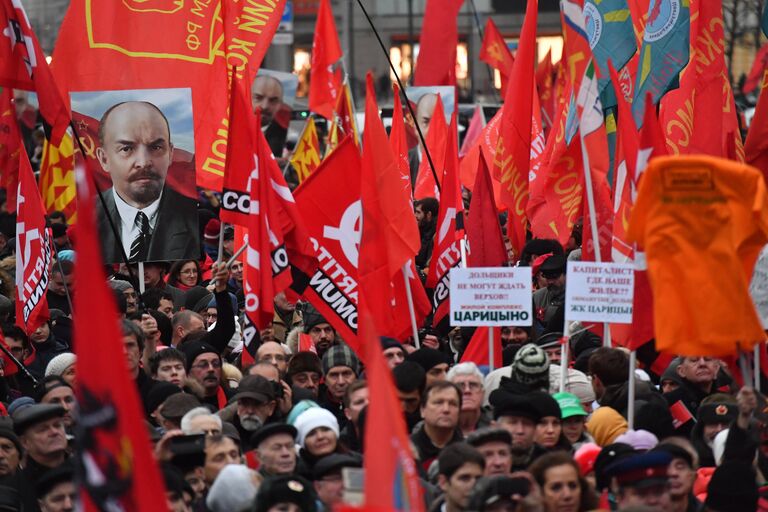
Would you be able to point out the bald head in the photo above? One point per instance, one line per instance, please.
(136, 151)
(425, 107)
(267, 94)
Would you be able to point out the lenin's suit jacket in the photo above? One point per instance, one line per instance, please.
(176, 235)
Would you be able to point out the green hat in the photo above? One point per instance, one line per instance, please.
(569, 405)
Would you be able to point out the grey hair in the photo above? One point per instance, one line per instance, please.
(467, 368)
(194, 413)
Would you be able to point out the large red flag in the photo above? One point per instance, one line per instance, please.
(390, 236)
(495, 52)
(436, 63)
(486, 244)
(391, 476)
(450, 231)
(324, 79)
(435, 139)
(756, 145)
(149, 45)
(10, 148)
(23, 66)
(117, 469)
(333, 215)
(33, 252)
(513, 151)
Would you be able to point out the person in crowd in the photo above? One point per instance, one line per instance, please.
(274, 446)
(410, 381)
(495, 444)
(469, 379)
(355, 400)
(440, 406)
(459, 468)
(562, 487)
(340, 369)
(305, 371)
(185, 274)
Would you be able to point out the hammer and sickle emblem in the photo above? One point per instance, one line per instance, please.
(161, 6)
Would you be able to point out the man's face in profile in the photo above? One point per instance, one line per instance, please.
(424, 110)
(268, 94)
(136, 152)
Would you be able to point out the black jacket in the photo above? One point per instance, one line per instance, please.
(176, 235)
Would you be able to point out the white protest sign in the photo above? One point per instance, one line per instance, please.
(758, 287)
(492, 297)
(599, 292)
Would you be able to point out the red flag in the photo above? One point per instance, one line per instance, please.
(333, 215)
(33, 252)
(391, 476)
(450, 230)
(513, 151)
(436, 64)
(756, 145)
(112, 440)
(486, 244)
(401, 324)
(398, 140)
(545, 85)
(435, 139)
(11, 148)
(235, 199)
(23, 66)
(324, 80)
(149, 45)
(474, 131)
(755, 76)
(343, 120)
(390, 236)
(495, 52)
(477, 349)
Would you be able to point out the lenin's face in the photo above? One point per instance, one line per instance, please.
(267, 93)
(136, 152)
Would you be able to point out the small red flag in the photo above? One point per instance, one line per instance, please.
(486, 244)
(495, 52)
(474, 131)
(34, 250)
(435, 138)
(756, 145)
(23, 66)
(324, 80)
(436, 64)
(10, 149)
(113, 442)
(477, 349)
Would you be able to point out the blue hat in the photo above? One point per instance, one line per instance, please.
(642, 470)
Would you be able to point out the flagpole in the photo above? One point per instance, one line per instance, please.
(757, 367)
(66, 286)
(631, 390)
(142, 285)
(402, 91)
(482, 36)
(593, 222)
(411, 310)
(18, 363)
(221, 242)
(490, 349)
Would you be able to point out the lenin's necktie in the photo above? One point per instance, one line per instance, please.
(140, 245)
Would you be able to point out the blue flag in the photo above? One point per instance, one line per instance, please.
(664, 51)
(611, 36)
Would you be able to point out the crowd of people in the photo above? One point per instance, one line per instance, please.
(287, 431)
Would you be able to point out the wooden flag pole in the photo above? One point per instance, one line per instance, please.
(631, 390)
(411, 310)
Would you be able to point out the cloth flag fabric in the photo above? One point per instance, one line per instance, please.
(306, 156)
(722, 207)
(495, 52)
(477, 348)
(34, 250)
(344, 122)
(398, 140)
(474, 131)
(333, 215)
(664, 51)
(450, 231)
(390, 237)
(118, 46)
(436, 62)
(513, 150)
(486, 244)
(756, 145)
(11, 148)
(324, 79)
(57, 177)
(23, 66)
(117, 470)
(435, 139)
